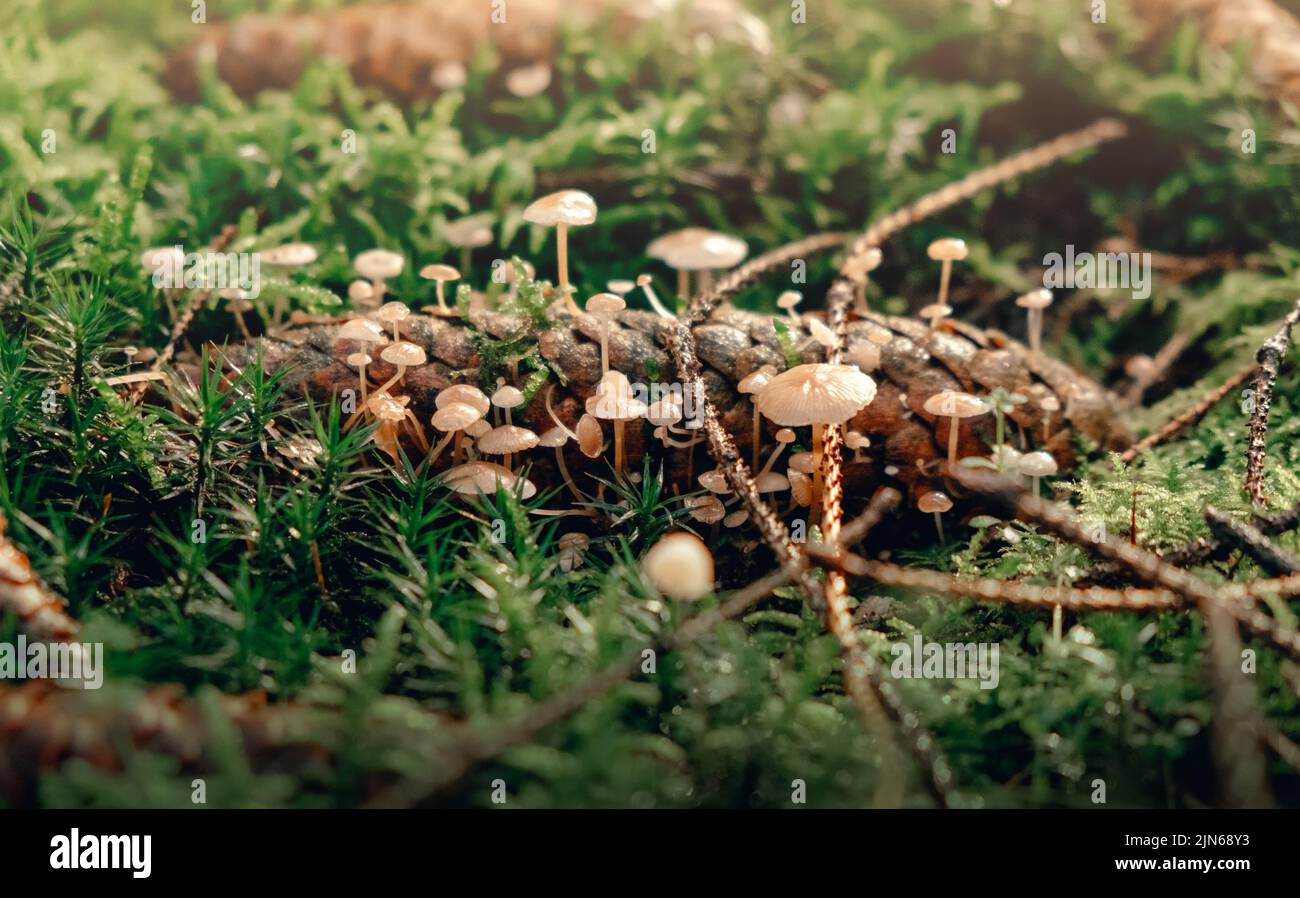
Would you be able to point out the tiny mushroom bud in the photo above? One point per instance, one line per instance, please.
(1034, 302)
(935, 312)
(379, 266)
(935, 503)
(947, 250)
(788, 300)
(562, 210)
(1037, 465)
(393, 313)
(441, 274)
(680, 566)
(955, 405)
(1048, 404)
(361, 293)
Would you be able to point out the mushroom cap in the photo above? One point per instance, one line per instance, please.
(706, 509)
(756, 381)
(554, 438)
(466, 393)
(934, 501)
(614, 400)
(820, 332)
(362, 330)
(566, 207)
(865, 354)
(736, 518)
(290, 255)
(385, 407)
(715, 482)
(379, 264)
(816, 394)
(948, 249)
(478, 428)
(471, 231)
(801, 462)
(772, 482)
(403, 354)
(359, 291)
(785, 435)
(935, 310)
(455, 416)
(357, 359)
(507, 397)
(393, 311)
(529, 80)
(855, 440)
(789, 299)
(590, 438)
(620, 286)
(664, 412)
(478, 477)
(800, 488)
(439, 272)
(1049, 404)
(1036, 464)
(955, 404)
(506, 439)
(680, 566)
(698, 249)
(1006, 456)
(606, 304)
(1035, 299)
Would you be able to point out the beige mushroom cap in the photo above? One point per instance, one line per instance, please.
(706, 509)
(948, 249)
(954, 404)
(698, 249)
(439, 272)
(858, 267)
(290, 255)
(1049, 404)
(362, 330)
(455, 416)
(620, 286)
(554, 438)
(379, 264)
(590, 439)
(483, 477)
(801, 463)
(606, 304)
(772, 482)
(865, 354)
(855, 440)
(789, 299)
(934, 501)
(680, 566)
(800, 488)
(715, 482)
(360, 291)
(1036, 464)
(935, 310)
(506, 439)
(386, 408)
(820, 332)
(736, 518)
(466, 393)
(785, 435)
(507, 397)
(529, 80)
(357, 359)
(664, 412)
(393, 311)
(756, 381)
(472, 231)
(403, 354)
(478, 428)
(567, 207)
(155, 257)
(614, 400)
(1035, 299)
(816, 394)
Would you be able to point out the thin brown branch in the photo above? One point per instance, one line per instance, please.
(1267, 554)
(1190, 415)
(1160, 364)
(1269, 357)
(760, 266)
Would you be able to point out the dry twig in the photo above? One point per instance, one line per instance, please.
(1269, 357)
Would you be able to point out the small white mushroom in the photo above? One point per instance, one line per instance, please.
(562, 210)
(441, 274)
(1048, 404)
(947, 250)
(403, 355)
(379, 266)
(393, 313)
(935, 312)
(857, 270)
(955, 405)
(753, 384)
(1034, 302)
(680, 566)
(935, 503)
(483, 477)
(788, 300)
(605, 306)
(1037, 465)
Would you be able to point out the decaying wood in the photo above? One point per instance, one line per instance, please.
(1269, 357)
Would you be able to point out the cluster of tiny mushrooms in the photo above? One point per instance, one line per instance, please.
(477, 426)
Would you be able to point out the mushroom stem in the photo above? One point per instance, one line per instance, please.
(952, 439)
(401, 369)
(1035, 329)
(442, 305)
(757, 446)
(377, 289)
(618, 446)
(1057, 615)
(361, 379)
(442, 444)
(455, 449)
(243, 325)
(938, 524)
(653, 299)
(860, 298)
(814, 512)
(562, 251)
(604, 345)
(771, 459)
(1047, 427)
(1036, 480)
(418, 430)
(684, 284)
(705, 280)
(564, 469)
(944, 276)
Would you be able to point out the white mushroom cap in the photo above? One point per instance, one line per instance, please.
(1006, 456)
(680, 566)
(858, 267)
(955, 404)
(698, 249)
(379, 264)
(715, 482)
(664, 412)
(567, 207)
(785, 435)
(1049, 404)
(483, 477)
(855, 440)
(816, 394)
(386, 408)
(362, 330)
(507, 397)
(621, 287)
(603, 304)
(590, 439)
(529, 80)
(1037, 464)
(948, 249)
(360, 291)
(449, 75)
(935, 310)
(554, 438)
(357, 359)
(455, 416)
(1035, 299)
(865, 354)
(506, 439)
(800, 488)
(403, 353)
(706, 509)
(393, 311)
(934, 501)
(478, 428)
(756, 381)
(736, 518)
(772, 482)
(290, 255)
(801, 462)
(789, 299)
(466, 393)
(471, 231)
(439, 272)
(821, 333)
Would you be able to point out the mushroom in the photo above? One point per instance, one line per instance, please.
(290, 255)
(441, 274)
(771, 482)
(935, 312)
(866, 355)
(1037, 465)
(507, 440)
(393, 313)
(857, 269)
(506, 398)
(646, 283)
(620, 287)
(479, 477)
(452, 419)
(572, 547)
(529, 80)
(365, 332)
(955, 405)
(615, 402)
(679, 566)
(563, 210)
(1048, 404)
(935, 503)
(468, 234)
(556, 438)
(752, 384)
(784, 437)
(788, 300)
(697, 249)
(821, 333)
(706, 509)
(800, 489)
(361, 293)
(715, 481)
(469, 395)
(736, 518)
(816, 395)
(947, 250)
(605, 306)
(379, 266)
(590, 439)
(404, 355)
(857, 442)
(1034, 302)
(390, 411)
